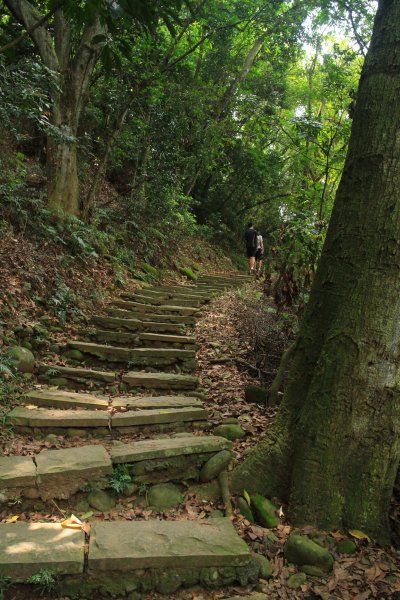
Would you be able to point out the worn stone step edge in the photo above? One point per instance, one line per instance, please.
(26, 548)
(150, 318)
(43, 418)
(74, 373)
(136, 325)
(111, 337)
(148, 308)
(160, 380)
(65, 399)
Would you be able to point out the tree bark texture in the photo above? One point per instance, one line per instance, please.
(337, 437)
(73, 67)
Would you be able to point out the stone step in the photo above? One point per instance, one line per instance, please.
(80, 375)
(22, 418)
(145, 357)
(160, 294)
(150, 317)
(148, 308)
(54, 473)
(127, 547)
(160, 381)
(178, 289)
(148, 340)
(167, 448)
(63, 399)
(157, 301)
(28, 548)
(135, 325)
(147, 556)
(62, 473)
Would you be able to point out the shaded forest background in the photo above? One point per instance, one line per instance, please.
(125, 126)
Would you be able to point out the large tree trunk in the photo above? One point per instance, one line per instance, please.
(338, 432)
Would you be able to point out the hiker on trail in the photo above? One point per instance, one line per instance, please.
(251, 246)
(259, 252)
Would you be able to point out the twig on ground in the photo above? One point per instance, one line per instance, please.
(244, 363)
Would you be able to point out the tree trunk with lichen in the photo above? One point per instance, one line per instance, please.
(335, 448)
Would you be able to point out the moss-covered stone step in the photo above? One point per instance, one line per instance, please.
(44, 418)
(54, 473)
(63, 399)
(28, 548)
(119, 323)
(154, 301)
(23, 419)
(79, 375)
(139, 307)
(163, 295)
(143, 402)
(150, 317)
(148, 340)
(129, 546)
(160, 381)
(179, 289)
(146, 357)
(146, 450)
(158, 416)
(53, 398)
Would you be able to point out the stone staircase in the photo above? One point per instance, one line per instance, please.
(131, 376)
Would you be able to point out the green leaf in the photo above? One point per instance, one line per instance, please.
(247, 497)
(87, 515)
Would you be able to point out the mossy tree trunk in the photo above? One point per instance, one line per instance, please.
(334, 451)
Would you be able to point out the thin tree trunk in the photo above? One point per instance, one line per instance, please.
(340, 414)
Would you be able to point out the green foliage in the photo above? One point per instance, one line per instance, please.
(45, 581)
(5, 583)
(150, 270)
(120, 479)
(63, 304)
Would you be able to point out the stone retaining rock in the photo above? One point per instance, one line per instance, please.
(230, 431)
(22, 358)
(164, 496)
(300, 550)
(215, 465)
(265, 511)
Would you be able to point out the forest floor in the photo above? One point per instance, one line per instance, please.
(226, 333)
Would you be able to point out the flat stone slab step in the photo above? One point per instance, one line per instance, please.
(64, 400)
(158, 340)
(179, 289)
(148, 308)
(49, 371)
(160, 380)
(150, 318)
(47, 417)
(153, 357)
(61, 473)
(134, 325)
(27, 548)
(153, 402)
(54, 473)
(129, 546)
(160, 294)
(44, 418)
(157, 301)
(168, 447)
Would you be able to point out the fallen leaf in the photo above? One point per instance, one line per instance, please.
(72, 523)
(12, 519)
(359, 535)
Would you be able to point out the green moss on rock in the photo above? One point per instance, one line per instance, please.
(188, 273)
(22, 358)
(266, 568)
(346, 547)
(215, 465)
(230, 431)
(300, 550)
(296, 580)
(163, 496)
(265, 511)
(245, 509)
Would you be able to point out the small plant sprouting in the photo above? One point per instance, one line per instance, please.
(45, 580)
(5, 583)
(52, 372)
(120, 479)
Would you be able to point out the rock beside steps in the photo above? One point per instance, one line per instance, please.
(121, 557)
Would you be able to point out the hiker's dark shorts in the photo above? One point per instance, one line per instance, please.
(259, 254)
(251, 252)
